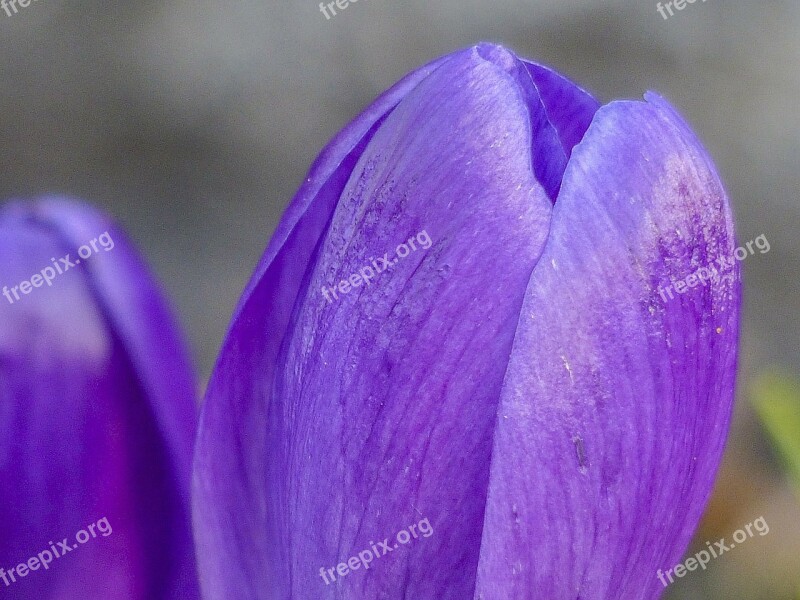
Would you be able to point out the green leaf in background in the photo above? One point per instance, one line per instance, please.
(777, 401)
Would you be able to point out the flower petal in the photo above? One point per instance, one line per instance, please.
(96, 413)
(617, 400)
(547, 154)
(569, 108)
(230, 532)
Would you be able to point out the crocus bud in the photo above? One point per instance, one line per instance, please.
(97, 415)
(470, 324)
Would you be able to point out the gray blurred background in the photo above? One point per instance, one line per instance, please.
(194, 123)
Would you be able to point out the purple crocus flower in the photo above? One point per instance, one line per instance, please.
(97, 415)
(466, 366)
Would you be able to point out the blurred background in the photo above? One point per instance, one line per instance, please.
(195, 122)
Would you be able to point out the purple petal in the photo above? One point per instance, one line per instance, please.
(548, 156)
(96, 413)
(395, 383)
(617, 400)
(230, 528)
(569, 108)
